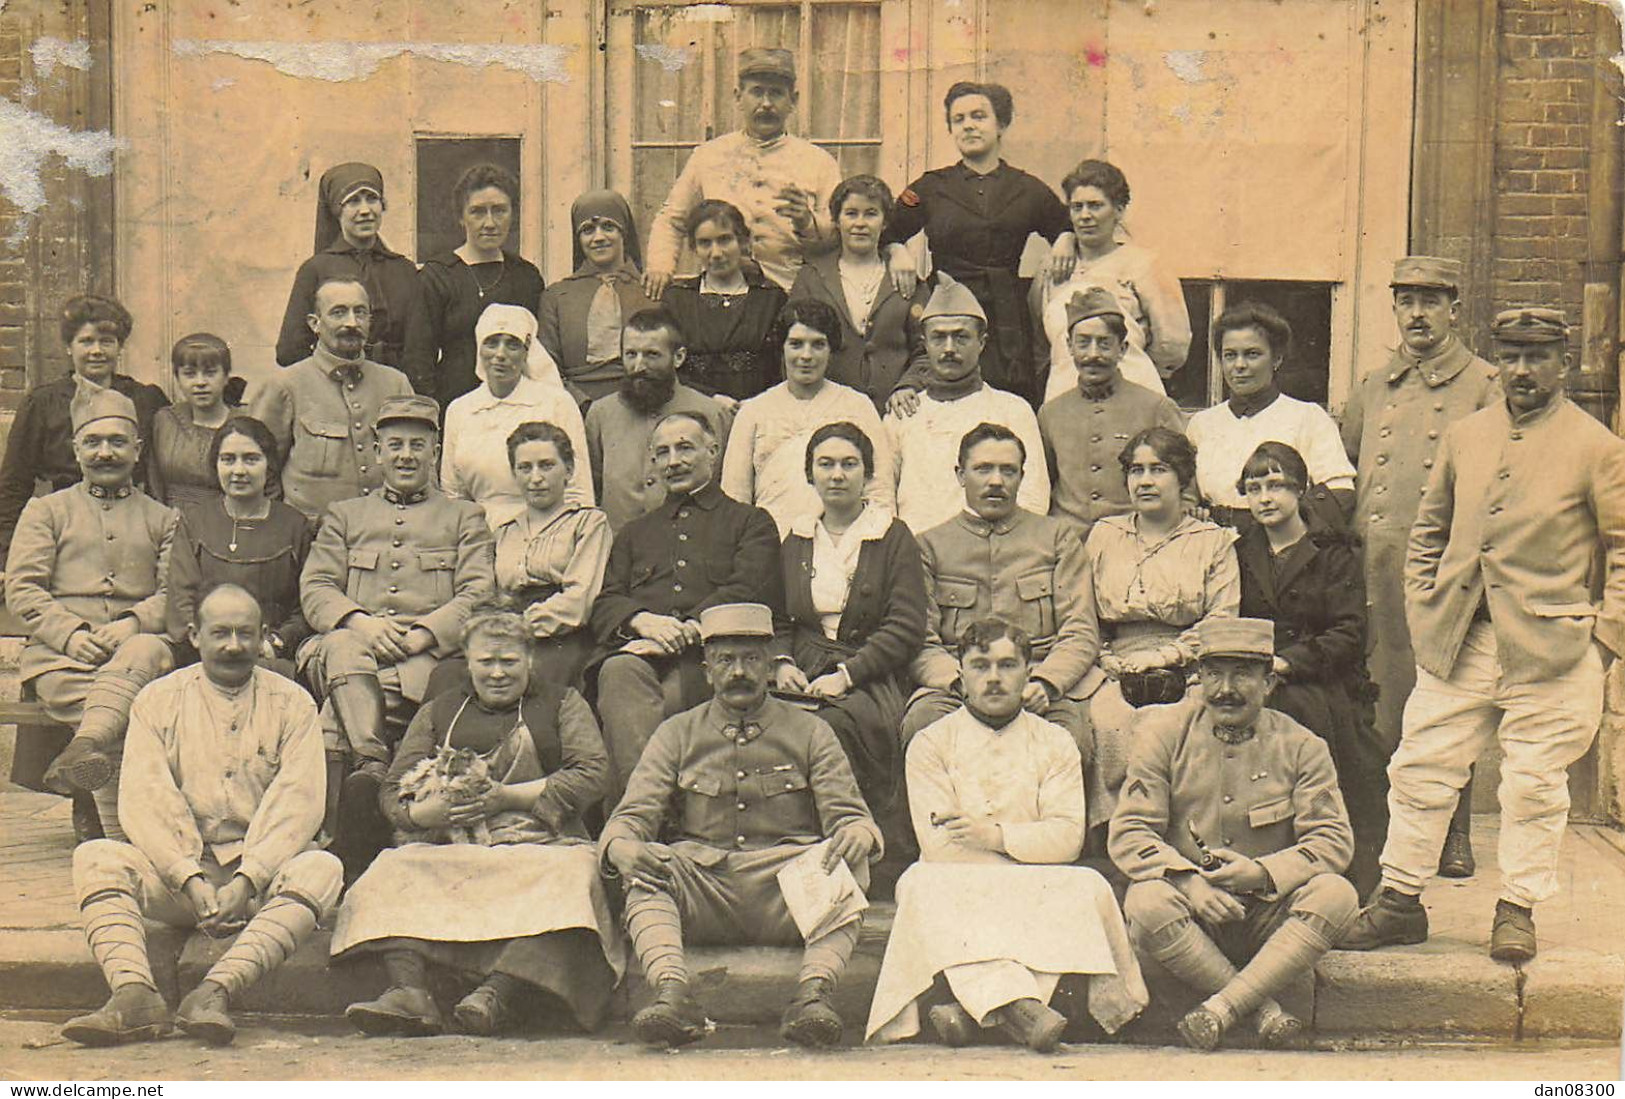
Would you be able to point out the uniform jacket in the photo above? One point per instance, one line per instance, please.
(1082, 438)
(1392, 426)
(1513, 514)
(1027, 569)
(692, 552)
(321, 411)
(1273, 797)
(712, 787)
(871, 363)
(39, 447)
(427, 559)
(883, 622)
(83, 557)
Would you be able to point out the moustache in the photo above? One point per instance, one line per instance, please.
(739, 681)
(1226, 700)
(1102, 363)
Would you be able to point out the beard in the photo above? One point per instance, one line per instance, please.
(646, 393)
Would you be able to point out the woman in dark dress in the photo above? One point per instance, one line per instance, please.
(39, 450)
(1309, 580)
(457, 285)
(728, 311)
(977, 216)
(181, 472)
(241, 537)
(854, 618)
(582, 314)
(349, 210)
(499, 888)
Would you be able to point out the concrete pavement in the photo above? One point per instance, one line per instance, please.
(1445, 988)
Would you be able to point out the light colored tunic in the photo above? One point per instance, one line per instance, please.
(1224, 442)
(237, 774)
(766, 460)
(567, 554)
(962, 907)
(749, 173)
(1159, 327)
(925, 447)
(474, 456)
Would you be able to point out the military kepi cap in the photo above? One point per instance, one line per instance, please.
(952, 299)
(98, 402)
(1254, 637)
(415, 407)
(736, 620)
(1530, 326)
(1093, 302)
(1432, 272)
(780, 64)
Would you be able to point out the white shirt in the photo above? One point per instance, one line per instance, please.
(1225, 441)
(765, 462)
(925, 447)
(835, 562)
(474, 454)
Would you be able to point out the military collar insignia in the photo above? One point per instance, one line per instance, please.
(101, 493)
(403, 499)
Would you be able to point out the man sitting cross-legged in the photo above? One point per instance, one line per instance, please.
(221, 794)
(740, 785)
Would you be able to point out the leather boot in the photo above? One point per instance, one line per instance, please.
(358, 703)
(1512, 938)
(362, 830)
(203, 1015)
(810, 1021)
(400, 1012)
(953, 1025)
(82, 766)
(482, 1011)
(1036, 1026)
(87, 822)
(1395, 919)
(1277, 1027)
(1456, 860)
(673, 1019)
(135, 1013)
(1202, 1029)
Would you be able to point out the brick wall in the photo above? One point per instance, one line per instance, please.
(14, 289)
(1541, 152)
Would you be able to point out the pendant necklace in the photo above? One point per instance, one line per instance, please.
(232, 545)
(502, 269)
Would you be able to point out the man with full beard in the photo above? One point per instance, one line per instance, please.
(619, 426)
(1085, 427)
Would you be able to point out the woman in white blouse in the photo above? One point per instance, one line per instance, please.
(550, 558)
(519, 383)
(762, 464)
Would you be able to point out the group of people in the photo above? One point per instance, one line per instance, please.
(534, 691)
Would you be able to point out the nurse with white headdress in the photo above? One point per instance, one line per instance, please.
(519, 383)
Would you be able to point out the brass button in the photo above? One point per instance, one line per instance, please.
(741, 807)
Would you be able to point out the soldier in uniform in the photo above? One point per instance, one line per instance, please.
(1234, 835)
(698, 549)
(996, 559)
(1391, 429)
(321, 409)
(85, 574)
(387, 585)
(1511, 648)
(740, 786)
(1086, 427)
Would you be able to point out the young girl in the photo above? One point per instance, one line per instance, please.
(1311, 585)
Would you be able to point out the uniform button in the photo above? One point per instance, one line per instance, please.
(1228, 841)
(743, 740)
(358, 446)
(648, 482)
(1439, 407)
(1094, 496)
(739, 774)
(1504, 474)
(393, 588)
(399, 522)
(1517, 436)
(368, 491)
(682, 564)
(1385, 432)
(1380, 488)
(1094, 438)
(358, 426)
(390, 611)
(109, 536)
(1094, 469)
(394, 564)
(107, 507)
(230, 772)
(740, 840)
(1427, 463)
(1485, 548)
(1228, 799)
(741, 807)
(1433, 435)
(1376, 517)
(682, 513)
(396, 542)
(1382, 459)
(679, 587)
(1496, 509)
(681, 537)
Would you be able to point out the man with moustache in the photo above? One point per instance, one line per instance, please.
(221, 795)
(86, 575)
(321, 409)
(780, 182)
(925, 441)
(698, 549)
(725, 796)
(994, 905)
(1233, 833)
(997, 559)
(1391, 429)
(1085, 428)
(387, 585)
(1510, 645)
(619, 425)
